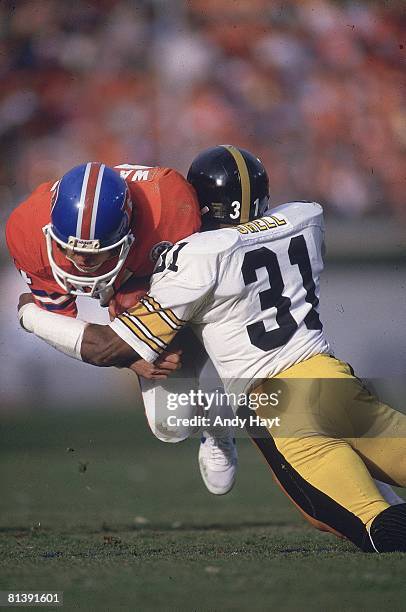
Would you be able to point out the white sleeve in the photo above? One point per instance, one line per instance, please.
(63, 333)
(174, 299)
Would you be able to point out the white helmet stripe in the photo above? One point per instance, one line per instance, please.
(96, 201)
(82, 201)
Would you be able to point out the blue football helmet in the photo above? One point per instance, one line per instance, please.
(91, 214)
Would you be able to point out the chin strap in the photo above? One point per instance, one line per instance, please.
(63, 333)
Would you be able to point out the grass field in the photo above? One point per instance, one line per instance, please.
(94, 506)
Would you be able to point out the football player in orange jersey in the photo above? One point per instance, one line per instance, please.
(97, 232)
(95, 228)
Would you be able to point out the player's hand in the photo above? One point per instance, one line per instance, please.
(118, 304)
(128, 295)
(170, 360)
(112, 309)
(163, 366)
(25, 298)
(148, 370)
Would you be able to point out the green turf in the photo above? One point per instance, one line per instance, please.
(94, 506)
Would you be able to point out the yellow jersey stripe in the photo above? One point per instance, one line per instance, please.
(147, 330)
(152, 323)
(162, 314)
(153, 326)
(245, 182)
(140, 335)
(157, 306)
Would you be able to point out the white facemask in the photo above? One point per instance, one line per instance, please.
(87, 286)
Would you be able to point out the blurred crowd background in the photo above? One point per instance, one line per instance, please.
(316, 88)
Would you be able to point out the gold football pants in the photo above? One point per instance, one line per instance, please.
(334, 436)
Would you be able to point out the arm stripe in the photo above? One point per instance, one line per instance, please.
(53, 307)
(48, 300)
(152, 326)
(162, 314)
(140, 335)
(52, 295)
(155, 325)
(157, 306)
(146, 331)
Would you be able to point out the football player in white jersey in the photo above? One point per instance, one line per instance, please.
(250, 291)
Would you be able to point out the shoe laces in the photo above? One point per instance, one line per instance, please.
(221, 449)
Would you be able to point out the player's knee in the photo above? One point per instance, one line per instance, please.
(167, 431)
(170, 425)
(387, 531)
(165, 434)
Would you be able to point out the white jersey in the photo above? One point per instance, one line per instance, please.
(251, 293)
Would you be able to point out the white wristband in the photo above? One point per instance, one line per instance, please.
(63, 333)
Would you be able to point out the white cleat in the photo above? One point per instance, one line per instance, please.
(218, 461)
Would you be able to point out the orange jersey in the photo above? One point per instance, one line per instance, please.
(165, 210)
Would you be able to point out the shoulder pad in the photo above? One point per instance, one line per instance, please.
(213, 242)
(301, 212)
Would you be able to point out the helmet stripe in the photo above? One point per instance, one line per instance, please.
(82, 201)
(89, 200)
(245, 182)
(96, 201)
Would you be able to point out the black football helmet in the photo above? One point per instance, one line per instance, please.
(232, 185)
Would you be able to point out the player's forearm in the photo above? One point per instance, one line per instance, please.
(100, 346)
(94, 344)
(63, 333)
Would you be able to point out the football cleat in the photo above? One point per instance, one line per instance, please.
(91, 214)
(218, 461)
